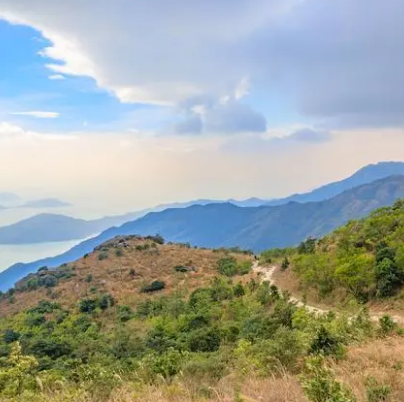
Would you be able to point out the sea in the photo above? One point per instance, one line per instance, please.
(11, 254)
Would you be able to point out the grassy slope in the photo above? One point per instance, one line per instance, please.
(264, 340)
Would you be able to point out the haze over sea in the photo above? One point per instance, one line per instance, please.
(11, 254)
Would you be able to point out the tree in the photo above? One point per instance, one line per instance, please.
(388, 278)
(285, 264)
(18, 371)
(308, 246)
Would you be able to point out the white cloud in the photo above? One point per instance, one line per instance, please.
(56, 77)
(154, 52)
(38, 114)
(339, 61)
(11, 131)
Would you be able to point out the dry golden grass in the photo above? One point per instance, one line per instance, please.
(381, 360)
(281, 389)
(112, 275)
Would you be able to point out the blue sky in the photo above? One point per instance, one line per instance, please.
(26, 85)
(150, 106)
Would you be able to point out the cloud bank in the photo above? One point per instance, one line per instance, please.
(340, 61)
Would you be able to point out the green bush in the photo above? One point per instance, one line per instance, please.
(166, 365)
(181, 268)
(103, 255)
(320, 385)
(87, 305)
(11, 336)
(124, 313)
(153, 287)
(229, 266)
(204, 340)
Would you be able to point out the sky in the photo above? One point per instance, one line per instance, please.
(120, 105)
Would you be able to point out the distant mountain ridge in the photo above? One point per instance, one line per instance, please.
(365, 175)
(44, 203)
(52, 228)
(225, 225)
(47, 227)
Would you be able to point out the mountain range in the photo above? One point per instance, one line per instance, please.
(365, 175)
(53, 228)
(225, 225)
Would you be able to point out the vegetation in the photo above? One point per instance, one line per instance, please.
(213, 335)
(229, 266)
(365, 258)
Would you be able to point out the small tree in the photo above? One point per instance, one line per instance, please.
(285, 264)
(18, 371)
(320, 385)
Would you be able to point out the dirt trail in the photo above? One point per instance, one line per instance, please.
(267, 274)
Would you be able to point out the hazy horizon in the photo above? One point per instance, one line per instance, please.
(156, 109)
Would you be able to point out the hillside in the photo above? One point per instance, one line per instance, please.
(118, 267)
(139, 320)
(225, 225)
(363, 260)
(365, 175)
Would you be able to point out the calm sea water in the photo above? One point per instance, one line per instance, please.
(10, 255)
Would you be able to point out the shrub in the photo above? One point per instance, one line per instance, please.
(103, 255)
(244, 268)
(42, 269)
(50, 347)
(285, 264)
(89, 278)
(204, 340)
(320, 385)
(307, 247)
(11, 336)
(106, 301)
(118, 253)
(238, 290)
(167, 364)
(153, 287)
(87, 305)
(227, 266)
(325, 343)
(45, 307)
(157, 239)
(48, 281)
(34, 320)
(17, 374)
(181, 268)
(124, 313)
(387, 325)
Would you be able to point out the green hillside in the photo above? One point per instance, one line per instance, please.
(364, 259)
(139, 320)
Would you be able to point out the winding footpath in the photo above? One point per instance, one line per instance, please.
(267, 274)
